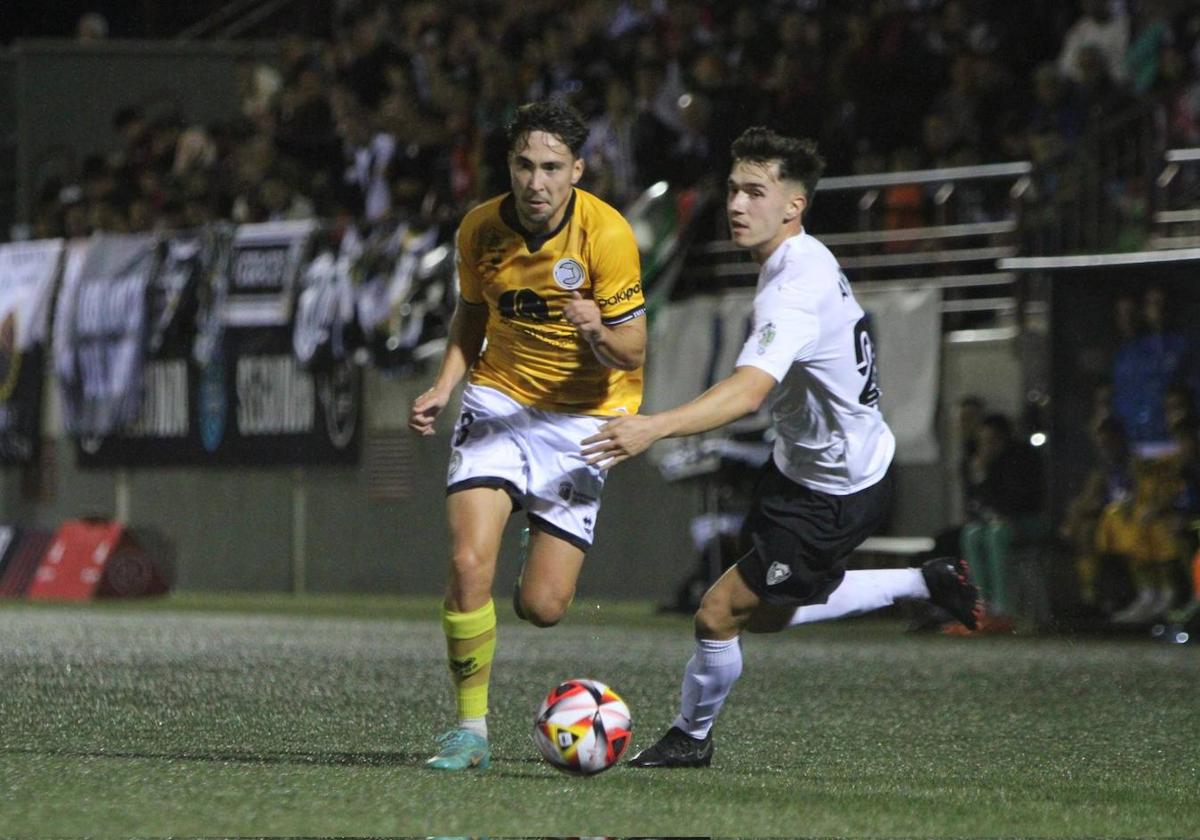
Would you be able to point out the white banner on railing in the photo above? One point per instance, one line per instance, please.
(263, 266)
(27, 274)
(906, 326)
(102, 333)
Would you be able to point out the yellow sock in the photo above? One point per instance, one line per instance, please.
(471, 644)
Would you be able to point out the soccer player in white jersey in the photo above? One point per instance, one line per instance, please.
(827, 486)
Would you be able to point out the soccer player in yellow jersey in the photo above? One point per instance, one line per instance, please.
(550, 335)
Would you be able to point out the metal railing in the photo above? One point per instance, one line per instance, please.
(966, 219)
(241, 18)
(1176, 218)
(1095, 197)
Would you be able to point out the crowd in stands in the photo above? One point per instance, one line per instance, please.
(402, 111)
(1125, 545)
(1132, 528)
(401, 117)
(1129, 535)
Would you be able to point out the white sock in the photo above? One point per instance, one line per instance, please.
(707, 679)
(864, 591)
(477, 725)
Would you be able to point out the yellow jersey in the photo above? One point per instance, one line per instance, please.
(532, 354)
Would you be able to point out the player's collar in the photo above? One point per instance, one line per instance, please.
(533, 241)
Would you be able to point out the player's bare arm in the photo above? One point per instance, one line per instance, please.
(622, 347)
(463, 346)
(622, 438)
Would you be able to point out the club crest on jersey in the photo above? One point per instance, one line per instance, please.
(569, 274)
(777, 573)
(766, 334)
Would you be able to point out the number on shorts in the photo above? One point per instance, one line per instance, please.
(464, 427)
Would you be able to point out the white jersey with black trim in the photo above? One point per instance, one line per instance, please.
(811, 335)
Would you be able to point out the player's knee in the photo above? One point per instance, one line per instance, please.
(713, 621)
(471, 576)
(469, 563)
(543, 610)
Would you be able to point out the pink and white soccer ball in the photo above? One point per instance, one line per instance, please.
(582, 727)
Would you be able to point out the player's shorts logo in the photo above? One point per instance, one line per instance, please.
(456, 460)
(569, 274)
(777, 573)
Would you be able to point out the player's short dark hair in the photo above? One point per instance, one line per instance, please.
(798, 158)
(553, 116)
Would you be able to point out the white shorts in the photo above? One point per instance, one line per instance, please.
(532, 454)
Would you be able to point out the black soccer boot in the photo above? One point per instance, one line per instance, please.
(951, 589)
(676, 749)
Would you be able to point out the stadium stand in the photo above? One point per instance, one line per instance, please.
(962, 138)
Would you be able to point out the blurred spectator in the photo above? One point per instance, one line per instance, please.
(305, 129)
(1143, 370)
(92, 27)
(1142, 532)
(367, 53)
(1100, 28)
(903, 204)
(611, 153)
(1182, 98)
(368, 153)
(1100, 96)
(1109, 483)
(1179, 406)
(195, 151)
(870, 81)
(1055, 118)
(1185, 433)
(1005, 497)
(133, 136)
(971, 412)
(1151, 34)
(258, 87)
(281, 200)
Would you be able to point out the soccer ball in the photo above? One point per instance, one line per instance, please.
(582, 727)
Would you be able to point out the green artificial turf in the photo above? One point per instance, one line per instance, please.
(241, 715)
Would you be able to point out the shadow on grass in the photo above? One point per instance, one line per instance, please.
(502, 766)
(329, 759)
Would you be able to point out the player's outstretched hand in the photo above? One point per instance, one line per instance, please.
(584, 313)
(425, 410)
(620, 439)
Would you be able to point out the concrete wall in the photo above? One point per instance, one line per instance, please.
(8, 142)
(66, 95)
(323, 530)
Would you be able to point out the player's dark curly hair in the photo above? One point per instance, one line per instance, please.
(798, 158)
(553, 116)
